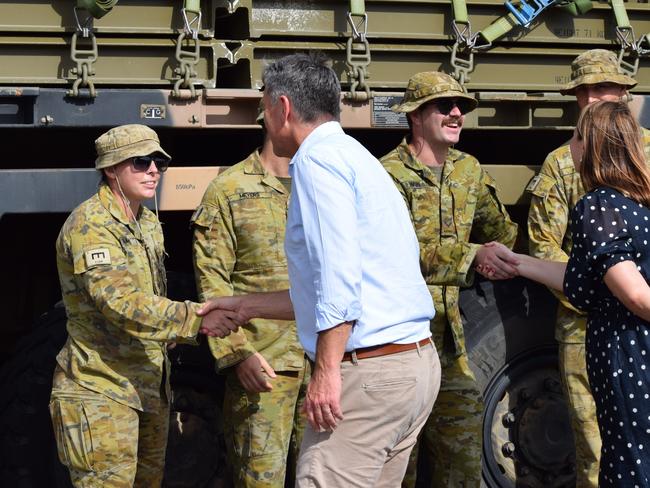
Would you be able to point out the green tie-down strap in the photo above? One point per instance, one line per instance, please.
(460, 11)
(622, 21)
(192, 5)
(506, 23)
(97, 8)
(499, 28)
(357, 7)
(576, 7)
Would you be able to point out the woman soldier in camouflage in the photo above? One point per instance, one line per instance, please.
(110, 396)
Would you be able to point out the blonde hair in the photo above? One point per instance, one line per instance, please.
(613, 153)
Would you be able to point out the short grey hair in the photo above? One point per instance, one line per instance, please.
(308, 81)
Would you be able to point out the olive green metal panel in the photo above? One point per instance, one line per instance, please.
(512, 69)
(512, 181)
(240, 19)
(121, 61)
(142, 17)
(408, 19)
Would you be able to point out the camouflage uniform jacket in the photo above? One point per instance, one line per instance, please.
(554, 192)
(446, 215)
(239, 249)
(119, 323)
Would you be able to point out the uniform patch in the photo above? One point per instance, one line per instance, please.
(98, 256)
(249, 194)
(532, 184)
(197, 214)
(414, 184)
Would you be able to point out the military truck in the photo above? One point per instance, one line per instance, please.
(192, 70)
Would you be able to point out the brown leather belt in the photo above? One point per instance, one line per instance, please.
(384, 350)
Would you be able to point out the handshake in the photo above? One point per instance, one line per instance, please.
(496, 262)
(224, 315)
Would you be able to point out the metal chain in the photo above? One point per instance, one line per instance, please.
(357, 56)
(187, 58)
(463, 66)
(462, 52)
(83, 58)
(629, 47)
(643, 45)
(463, 34)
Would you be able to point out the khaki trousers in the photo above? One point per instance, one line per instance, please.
(385, 402)
(452, 438)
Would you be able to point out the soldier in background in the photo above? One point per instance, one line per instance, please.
(449, 197)
(595, 75)
(110, 394)
(239, 249)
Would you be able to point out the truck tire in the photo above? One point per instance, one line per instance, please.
(28, 455)
(527, 437)
(195, 446)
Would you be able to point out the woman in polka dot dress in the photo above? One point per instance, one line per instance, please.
(607, 276)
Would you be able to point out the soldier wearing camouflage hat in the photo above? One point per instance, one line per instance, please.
(595, 75)
(449, 197)
(238, 249)
(110, 393)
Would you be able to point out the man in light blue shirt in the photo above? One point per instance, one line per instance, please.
(349, 236)
(361, 305)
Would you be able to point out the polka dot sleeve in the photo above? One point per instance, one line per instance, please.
(600, 240)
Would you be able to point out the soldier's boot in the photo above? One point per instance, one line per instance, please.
(582, 409)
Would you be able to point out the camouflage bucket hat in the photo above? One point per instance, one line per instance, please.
(427, 86)
(596, 66)
(124, 142)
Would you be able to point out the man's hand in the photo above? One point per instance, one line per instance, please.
(232, 303)
(252, 373)
(323, 400)
(219, 323)
(496, 262)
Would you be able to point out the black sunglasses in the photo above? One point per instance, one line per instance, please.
(142, 163)
(445, 105)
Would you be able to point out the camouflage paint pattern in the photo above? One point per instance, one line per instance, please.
(429, 85)
(554, 192)
(125, 142)
(239, 248)
(262, 428)
(596, 66)
(457, 415)
(444, 215)
(445, 211)
(113, 284)
(582, 410)
(104, 443)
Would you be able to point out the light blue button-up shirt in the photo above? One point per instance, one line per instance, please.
(352, 252)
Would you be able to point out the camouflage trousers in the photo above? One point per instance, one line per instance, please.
(263, 431)
(104, 443)
(452, 438)
(582, 409)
